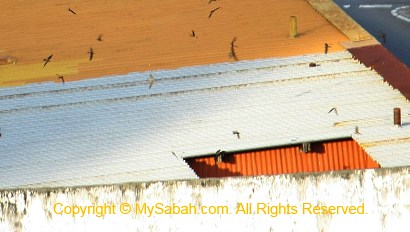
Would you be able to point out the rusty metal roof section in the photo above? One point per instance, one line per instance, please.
(323, 156)
(128, 128)
(386, 64)
(340, 19)
(143, 41)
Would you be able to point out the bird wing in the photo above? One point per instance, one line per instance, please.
(212, 11)
(233, 41)
(333, 109)
(91, 52)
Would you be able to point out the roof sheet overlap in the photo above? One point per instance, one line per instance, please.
(116, 129)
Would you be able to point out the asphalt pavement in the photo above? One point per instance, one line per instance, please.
(392, 18)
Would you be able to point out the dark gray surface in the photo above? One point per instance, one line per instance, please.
(376, 20)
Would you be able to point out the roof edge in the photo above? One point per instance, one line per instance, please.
(378, 58)
(335, 15)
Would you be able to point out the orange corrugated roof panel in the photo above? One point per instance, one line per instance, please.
(151, 34)
(326, 156)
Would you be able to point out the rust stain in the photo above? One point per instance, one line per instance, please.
(325, 156)
(361, 121)
(386, 142)
(148, 35)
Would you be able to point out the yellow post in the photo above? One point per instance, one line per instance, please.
(293, 27)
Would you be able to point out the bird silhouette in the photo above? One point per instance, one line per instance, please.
(175, 155)
(327, 46)
(212, 11)
(356, 130)
(233, 42)
(235, 132)
(100, 38)
(382, 36)
(232, 54)
(61, 77)
(211, 1)
(151, 80)
(46, 60)
(72, 11)
(219, 156)
(193, 34)
(333, 109)
(91, 52)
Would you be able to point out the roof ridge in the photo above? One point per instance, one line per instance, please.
(173, 93)
(205, 71)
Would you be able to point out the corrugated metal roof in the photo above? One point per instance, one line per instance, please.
(116, 129)
(324, 156)
(387, 65)
(135, 38)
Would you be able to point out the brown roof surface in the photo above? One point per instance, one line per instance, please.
(386, 64)
(151, 34)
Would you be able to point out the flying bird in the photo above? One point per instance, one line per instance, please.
(61, 77)
(356, 130)
(151, 80)
(91, 52)
(100, 38)
(232, 54)
(327, 46)
(193, 34)
(219, 156)
(233, 42)
(212, 11)
(46, 60)
(236, 133)
(382, 36)
(174, 154)
(72, 11)
(211, 1)
(333, 109)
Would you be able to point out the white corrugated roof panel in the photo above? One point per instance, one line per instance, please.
(116, 129)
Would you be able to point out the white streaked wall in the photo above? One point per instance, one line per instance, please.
(385, 194)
